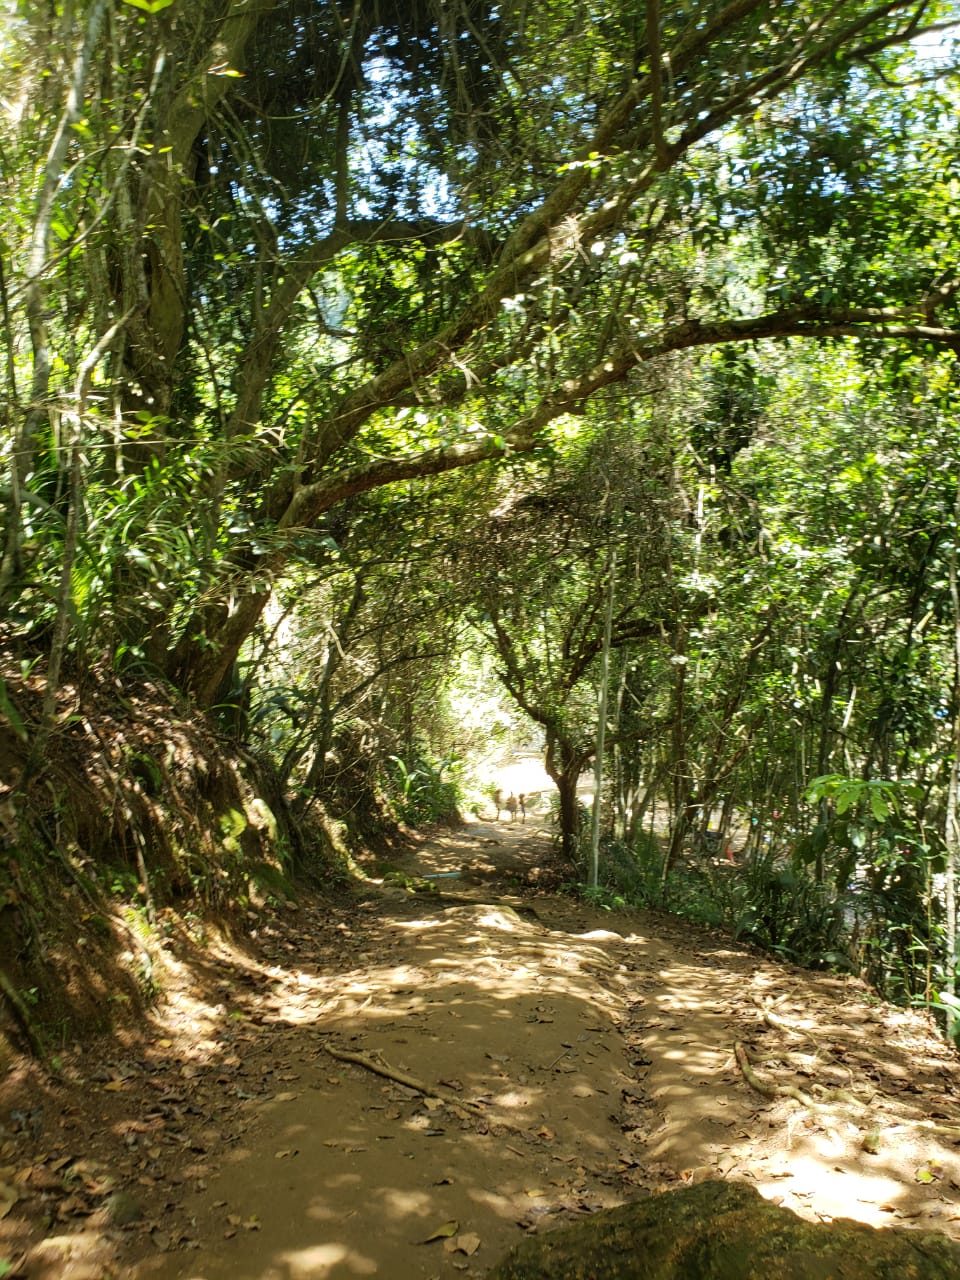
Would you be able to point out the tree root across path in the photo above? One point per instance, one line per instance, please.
(831, 1097)
(781, 1024)
(769, 1090)
(382, 1068)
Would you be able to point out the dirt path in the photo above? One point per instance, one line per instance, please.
(573, 1059)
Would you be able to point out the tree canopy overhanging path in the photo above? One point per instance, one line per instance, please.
(264, 259)
(394, 388)
(406, 1087)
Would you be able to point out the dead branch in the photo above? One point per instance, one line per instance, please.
(382, 1068)
(22, 1015)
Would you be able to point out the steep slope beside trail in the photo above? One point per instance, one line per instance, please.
(569, 1058)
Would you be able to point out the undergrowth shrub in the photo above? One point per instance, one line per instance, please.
(876, 911)
(782, 909)
(633, 874)
(420, 793)
(765, 900)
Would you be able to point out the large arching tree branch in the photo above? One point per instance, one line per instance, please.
(557, 222)
(312, 500)
(592, 193)
(273, 320)
(214, 75)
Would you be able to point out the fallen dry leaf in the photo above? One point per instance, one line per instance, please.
(467, 1243)
(442, 1233)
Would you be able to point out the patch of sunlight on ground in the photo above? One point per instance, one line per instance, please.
(315, 1262)
(513, 1098)
(345, 1180)
(497, 920)
(400, 1204)
(872, 1187)
(500, 1204)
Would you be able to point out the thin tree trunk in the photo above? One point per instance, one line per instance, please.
(952, 832)
(61, 632)
(35, 294)
(594, 871)
(680, 765)
(564, 764)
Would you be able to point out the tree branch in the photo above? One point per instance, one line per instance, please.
(311, 500)
(214, 75)
(656, 84)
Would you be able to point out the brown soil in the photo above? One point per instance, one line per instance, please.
(570, 1059)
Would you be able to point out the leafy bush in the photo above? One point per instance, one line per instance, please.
(783, 910)
(632, 873)
(420, 793)
(871, 908)
(766, 900)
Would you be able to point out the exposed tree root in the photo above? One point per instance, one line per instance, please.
(769, 1090)
(382, 1068)
(774, 1020)
(781, 1024)
(856, 1109)
(950, 1131)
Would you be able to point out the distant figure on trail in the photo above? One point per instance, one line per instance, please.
(512, 805)
(498, 801)
(522, 801)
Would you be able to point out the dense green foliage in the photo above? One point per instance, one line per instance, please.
(339, 340)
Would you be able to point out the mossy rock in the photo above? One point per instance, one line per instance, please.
(725, 1231)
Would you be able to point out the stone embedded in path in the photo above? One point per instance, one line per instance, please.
(725, 1231)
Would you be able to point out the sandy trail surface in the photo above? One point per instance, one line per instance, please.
(405, 1085)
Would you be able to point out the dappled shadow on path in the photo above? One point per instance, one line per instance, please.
(569, 1059)
(485, 1007)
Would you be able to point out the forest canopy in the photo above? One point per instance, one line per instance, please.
(263, 257)
(612, 344)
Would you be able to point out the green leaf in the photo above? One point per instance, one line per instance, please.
(846, 797)
(149, 6)
(879, 806)
(443, 1233)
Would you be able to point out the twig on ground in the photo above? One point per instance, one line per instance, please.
(410, 1082)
